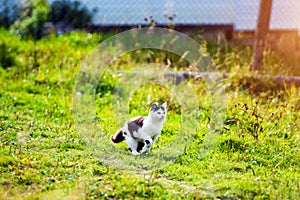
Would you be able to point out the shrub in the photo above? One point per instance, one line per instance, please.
(31, 24)
(73, 13)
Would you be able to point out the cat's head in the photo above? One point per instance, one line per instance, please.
(158, 111)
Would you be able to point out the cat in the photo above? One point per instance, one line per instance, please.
(141, 132)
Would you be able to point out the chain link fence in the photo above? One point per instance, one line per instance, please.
(242, 15)
(228, 17)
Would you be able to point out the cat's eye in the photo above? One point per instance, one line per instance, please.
(159, 113)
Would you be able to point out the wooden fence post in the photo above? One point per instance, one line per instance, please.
(261, 31)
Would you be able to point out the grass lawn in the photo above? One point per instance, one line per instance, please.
(42, 156)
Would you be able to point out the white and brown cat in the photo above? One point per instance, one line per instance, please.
(141, 132)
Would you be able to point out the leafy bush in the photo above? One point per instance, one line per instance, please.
(31, 25)
(73, 13)
(37, 12)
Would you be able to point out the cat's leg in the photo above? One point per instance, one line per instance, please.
(132, 145)
(150, 143)
(140, 146)
(155, 137)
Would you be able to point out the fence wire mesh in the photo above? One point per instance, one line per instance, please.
(241, 14)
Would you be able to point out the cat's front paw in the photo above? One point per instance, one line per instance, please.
(135, 153)
(148, 144)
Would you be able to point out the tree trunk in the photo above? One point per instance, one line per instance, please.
(261, 31)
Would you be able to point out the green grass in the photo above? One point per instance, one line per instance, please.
(43, 156)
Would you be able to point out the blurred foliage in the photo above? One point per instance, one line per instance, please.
(31, 57)
(8, 50)
(70, 12)
(35, 13)
(31, 24)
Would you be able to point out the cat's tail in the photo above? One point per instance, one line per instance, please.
(117, 137)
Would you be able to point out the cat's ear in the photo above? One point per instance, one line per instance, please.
(154, 106)
(164, 105)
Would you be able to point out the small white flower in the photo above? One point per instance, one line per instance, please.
(79, 94)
